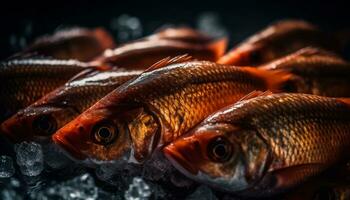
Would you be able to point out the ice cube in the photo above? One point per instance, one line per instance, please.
(29, 158)
(157, 167)
(11, 190)
(138, 190)
(202, 192)
(54, 157)
(127, 27)
(6, 167)
(210, 23)
(79, 188)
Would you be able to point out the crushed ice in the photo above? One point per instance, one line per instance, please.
(29, 157)
(6, 167)
(127, 27)
(138, 190)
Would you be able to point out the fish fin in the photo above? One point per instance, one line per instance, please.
(218, 47)
(289, 177)
(100, 65)
(275, 80)
(256, 93)
(168, 61)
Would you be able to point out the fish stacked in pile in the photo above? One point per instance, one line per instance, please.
(263, 119)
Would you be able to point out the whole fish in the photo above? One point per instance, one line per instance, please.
(184, 34)
(265, 145)
(74, 43)
(277, 40)
(51, 112)
(25, 80)
(144, 53)
(157, 107)
(316, 72)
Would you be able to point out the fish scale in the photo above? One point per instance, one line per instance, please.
(66, 102)
(26, 80)
(178, 96)
(295, 137)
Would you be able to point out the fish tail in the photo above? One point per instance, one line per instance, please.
(275, 80)
(218, 47)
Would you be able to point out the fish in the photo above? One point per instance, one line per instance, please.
(265, 144)
(183, 34)
(44, 117)
(72, 43)
(279, 39)
(315, 71)
(157, 107)
(144, 53)
(25, 80)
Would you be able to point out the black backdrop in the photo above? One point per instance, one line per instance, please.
(242, 18)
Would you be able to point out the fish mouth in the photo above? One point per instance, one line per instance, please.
(6, 132)
(178, 160)
(69, 148)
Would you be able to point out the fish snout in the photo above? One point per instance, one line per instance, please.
(15, 131)
(184, 155)
(71, 141)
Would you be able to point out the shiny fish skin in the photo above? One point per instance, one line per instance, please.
(277, 40)
(74, 43)
(25, 80)
(184, 34)
(156, 108)
(272, 143)
(144, 53)
(317, 72)
(63, 104)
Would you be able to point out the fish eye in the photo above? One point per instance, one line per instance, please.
(220, 150)
(104, 133)
(45, 125)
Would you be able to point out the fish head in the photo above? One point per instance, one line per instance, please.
(36, 122)
(219, 155)
(109, 134)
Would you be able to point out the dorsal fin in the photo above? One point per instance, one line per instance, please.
(256, 93)
(168, 61)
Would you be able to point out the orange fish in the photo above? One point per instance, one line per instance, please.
(315, 72)
(74, 43)
(144, 53)
(277, 40)
(25, 80)
(265, 145)
(157, 107)
(184, 34)
(44, 117)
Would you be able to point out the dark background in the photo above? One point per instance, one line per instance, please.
(21, 21)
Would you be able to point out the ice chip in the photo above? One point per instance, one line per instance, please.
(55, 158)
(138, 190)
(127, 27)
(210, 23)
(157, 167)
(202, 192)
(6, 167)
(79, 188)
(29, 158)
